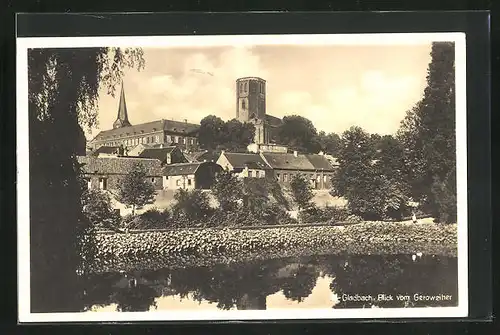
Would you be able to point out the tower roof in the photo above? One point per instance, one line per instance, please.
(122, 117)
(250, 78)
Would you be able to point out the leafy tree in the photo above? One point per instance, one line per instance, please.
(356, 178)
(228, 190)
(236, 136)
(191, 206)
(428, 133)
(134, 190)
(98, 210)
(301, 191)
(63, 87)
(255, 195)
(210, 133)
(298, 132)
(329, 143)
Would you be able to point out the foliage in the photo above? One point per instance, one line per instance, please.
(191, 207)
(98, 210)
(155, 219)
(428, 135)
(233, 135)
(329, 143)
(134, 190)
(237, 136)
(228, 190)
(298, 132)
(301, 191)
(446, 198)
(300, 285)
(63, 86)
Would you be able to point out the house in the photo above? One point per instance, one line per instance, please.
(105, 173)
(270, 147)
(315, 167)
(167, 155)
(244, 164)
(189, 176)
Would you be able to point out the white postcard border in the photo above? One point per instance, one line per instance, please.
(23, 44)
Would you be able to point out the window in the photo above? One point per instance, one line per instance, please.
(176, 139)
(243, 104)
(157, 138)
(103, 183)
(278, 177)
(178, 183)
(89, 183)
(324, 179)
(147, 139)
(182, 140)
(189, 182)
(246, 87)
(153, 180)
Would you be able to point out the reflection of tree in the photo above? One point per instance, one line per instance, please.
(394, 275)
(135, 299)
(300, 284)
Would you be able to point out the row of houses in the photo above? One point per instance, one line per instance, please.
(169, 168)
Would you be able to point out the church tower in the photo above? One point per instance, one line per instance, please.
(250, 99)
(122, 117)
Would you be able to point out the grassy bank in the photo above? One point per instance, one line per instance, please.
(203, 247)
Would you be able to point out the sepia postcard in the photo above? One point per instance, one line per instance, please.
(256, 177)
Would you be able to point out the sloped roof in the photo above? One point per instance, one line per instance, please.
(149, 127)
(200, 156)
(273, 120)
(157, 153)
(320, 162)
(105, 150)
(118, 165)
(180, 169)
(240, 160)
(288, 161)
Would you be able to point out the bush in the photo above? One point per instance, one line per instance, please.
(274, 214)
(192, 207)
(98, 210)
(155, 219)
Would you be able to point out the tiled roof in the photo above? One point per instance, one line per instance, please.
(118, 165)
(106, 150)
(157, 153)
(320, 162)
(240, 160)
(287, 161)
(177, 127)
(200, 156)
(180, 169)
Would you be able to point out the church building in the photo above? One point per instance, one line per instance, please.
(251, 107)
(156, 133)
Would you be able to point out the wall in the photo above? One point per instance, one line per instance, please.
(179, 182)
(318, 180)
(113, 180)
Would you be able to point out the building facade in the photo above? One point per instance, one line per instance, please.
(165, 132)
(251, 107)
(190, 176)
(244, 165)
(106, 173)
(317, 168)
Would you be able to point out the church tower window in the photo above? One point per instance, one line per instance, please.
(243, 104)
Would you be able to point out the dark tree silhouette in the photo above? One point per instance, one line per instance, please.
(63, 86)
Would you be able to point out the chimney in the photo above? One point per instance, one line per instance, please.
(295, 153)
(185, 121)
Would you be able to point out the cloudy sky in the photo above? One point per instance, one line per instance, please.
(334, 86)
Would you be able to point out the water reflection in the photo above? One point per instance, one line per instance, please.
(337, 282)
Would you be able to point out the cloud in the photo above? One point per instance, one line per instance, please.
(334, 87)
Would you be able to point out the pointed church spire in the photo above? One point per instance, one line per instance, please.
(122, 117)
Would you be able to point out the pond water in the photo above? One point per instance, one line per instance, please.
(325, 281)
